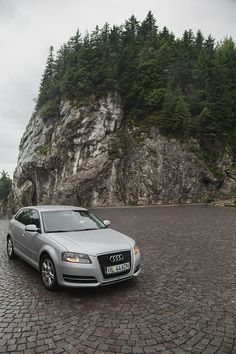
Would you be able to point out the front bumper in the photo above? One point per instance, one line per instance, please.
(90, 275)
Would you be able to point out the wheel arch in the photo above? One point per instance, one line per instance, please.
(43, 255)
(48, 251)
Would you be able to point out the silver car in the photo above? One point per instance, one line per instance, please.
(71, 247)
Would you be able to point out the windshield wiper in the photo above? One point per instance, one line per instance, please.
(88, 229)
(56, 231)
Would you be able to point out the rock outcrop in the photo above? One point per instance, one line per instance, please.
(68, 161)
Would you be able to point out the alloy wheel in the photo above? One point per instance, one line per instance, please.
(48, 272)
(10, 248)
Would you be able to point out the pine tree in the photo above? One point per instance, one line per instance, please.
(188, 85)
(46, 90)
(131, 28)
(185, 61)
(226, 56)
(5, 185)
(165, 64)
(208, 134)
(167, 113)
(181, 119)
(148, 28)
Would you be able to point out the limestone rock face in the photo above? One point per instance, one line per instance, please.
(67, 161)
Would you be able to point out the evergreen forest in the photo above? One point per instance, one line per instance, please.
(184, 86)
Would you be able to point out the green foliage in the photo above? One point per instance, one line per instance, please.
(233, 195)
(118, 146)
(206, 157)
(181, 119)
(48, 89)
(43, 149)
(185, 86)
(167, 113)
(50, 110)
(5, 185)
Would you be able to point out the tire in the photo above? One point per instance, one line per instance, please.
(10, 248)
(48, 273)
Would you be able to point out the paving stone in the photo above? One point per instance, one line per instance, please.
(183, 301)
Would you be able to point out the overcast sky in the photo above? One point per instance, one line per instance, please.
(29, 27)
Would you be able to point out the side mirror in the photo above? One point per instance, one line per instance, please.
(107, 222)
(31, 228)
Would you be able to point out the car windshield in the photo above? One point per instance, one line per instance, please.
(70, 220)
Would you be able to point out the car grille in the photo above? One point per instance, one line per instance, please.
(79, 279)
(104, 261)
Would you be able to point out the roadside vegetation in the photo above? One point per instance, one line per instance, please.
(5, 186)
(185, 86)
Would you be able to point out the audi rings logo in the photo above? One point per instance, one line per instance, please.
(117, 258)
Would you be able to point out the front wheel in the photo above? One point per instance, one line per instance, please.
(48, 274)
(10, 248)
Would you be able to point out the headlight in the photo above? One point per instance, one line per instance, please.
(75, 258)
(136, 250)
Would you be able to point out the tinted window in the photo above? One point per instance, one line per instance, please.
(24, 216)
(18, 215)
(28, 216)
(34, 218)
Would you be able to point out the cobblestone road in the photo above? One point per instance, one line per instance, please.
(183, 301)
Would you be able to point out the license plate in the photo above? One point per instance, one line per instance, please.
(117, 268)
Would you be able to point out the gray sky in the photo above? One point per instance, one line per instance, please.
(29, 27)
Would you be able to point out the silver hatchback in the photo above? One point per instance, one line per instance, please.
(71, 247)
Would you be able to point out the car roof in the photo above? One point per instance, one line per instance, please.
(42, 208)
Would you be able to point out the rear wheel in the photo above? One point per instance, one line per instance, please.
(10, 248)
(48, 273)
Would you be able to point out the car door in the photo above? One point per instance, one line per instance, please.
(32, 240)
(18, 229)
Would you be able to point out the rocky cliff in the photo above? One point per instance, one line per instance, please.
(68, 160)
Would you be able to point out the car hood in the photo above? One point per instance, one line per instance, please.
(93, 242)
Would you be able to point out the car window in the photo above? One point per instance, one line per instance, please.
(34, 218)
(18, 215)
(70, 220)
(23, 216)
(28, 216)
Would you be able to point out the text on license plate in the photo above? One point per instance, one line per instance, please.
(117, 268)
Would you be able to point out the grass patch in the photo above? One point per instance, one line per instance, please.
(42, 149)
